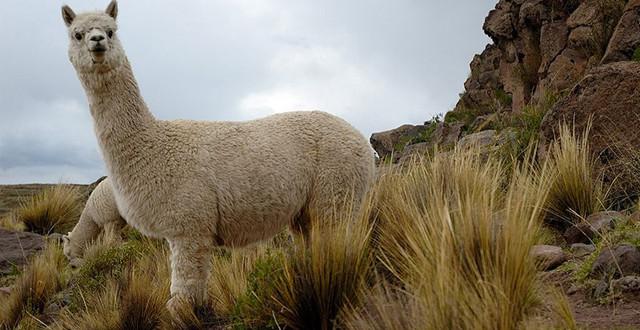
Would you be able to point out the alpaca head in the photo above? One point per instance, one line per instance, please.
(94, 45)
(72, 252)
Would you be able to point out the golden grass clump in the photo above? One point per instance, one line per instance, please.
(576, 191)
(34, 289)
(133, 300)
(323, 277)
(455, 231)
(55, 209)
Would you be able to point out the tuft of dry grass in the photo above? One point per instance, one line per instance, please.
(132, 299)
(455, 232)
(576, 191)
(34, 289)
(55, 209)
(319, 280)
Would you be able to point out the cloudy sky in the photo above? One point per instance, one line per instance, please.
(376, 63)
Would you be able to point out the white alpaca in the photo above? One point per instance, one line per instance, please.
(200, 184)
(100, 211)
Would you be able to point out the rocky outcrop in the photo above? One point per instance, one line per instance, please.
(608, 100)
(625, 41)
(393, 141)
(541, 46)
(402, 143)
(540, 50)
(16, 247)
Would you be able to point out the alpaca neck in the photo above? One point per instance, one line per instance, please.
(121, 117)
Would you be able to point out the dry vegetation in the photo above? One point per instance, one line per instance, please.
(54, 210)
(442, 243)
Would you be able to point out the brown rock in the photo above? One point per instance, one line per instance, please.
(626, 37)
(16, 247)
(445, 135)
(585, 15)
(548, 257)
(393, 141)
(608, 96)
(553, 40)
(499, 23)
(626, 284)
(619, 261)
(564, 71)
(481, 139)
(595, 224)
(581, 249)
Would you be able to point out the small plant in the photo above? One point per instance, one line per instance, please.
(636, 55)
(55, 209)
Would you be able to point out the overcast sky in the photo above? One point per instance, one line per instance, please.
(376, 63)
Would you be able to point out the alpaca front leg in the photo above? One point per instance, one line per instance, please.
(190, 267)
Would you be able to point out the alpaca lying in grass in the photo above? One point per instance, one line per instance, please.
(200, 184)
(100, 211)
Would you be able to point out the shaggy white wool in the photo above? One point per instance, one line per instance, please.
(99, 211)
(199, 184)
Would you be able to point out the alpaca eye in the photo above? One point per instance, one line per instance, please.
(78, 36)
(110, 33)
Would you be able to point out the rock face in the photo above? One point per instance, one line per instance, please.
(619, 261)
(16, 247)
(608, 98)
(626, 38)
(595, 224)
(543, 46)
(540, 50)
(548, 257)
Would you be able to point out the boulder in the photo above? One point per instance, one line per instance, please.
(393, 141)
(580, 249)
(548, 257)
(16, 247)
(619, 261)
(626, 37)
(499, 22)
(445, 135)
(481, 139)
(626, 284)
(608, 97)
(595, 224)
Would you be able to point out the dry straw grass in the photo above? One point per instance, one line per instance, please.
(442, 243)
(55, 209)
(456, 232)
(576, 191)
(34, 289)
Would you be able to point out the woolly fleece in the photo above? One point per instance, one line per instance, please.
(99, 211)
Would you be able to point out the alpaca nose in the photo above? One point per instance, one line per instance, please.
(97, 38)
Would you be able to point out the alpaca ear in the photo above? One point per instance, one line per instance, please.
(68, 15)
(112, 9)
